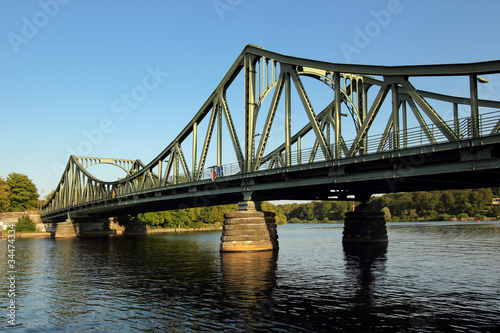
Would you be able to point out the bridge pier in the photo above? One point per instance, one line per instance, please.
(249, 229)
(83, 227)
(135, 228)
(65, 229)
(364, 225)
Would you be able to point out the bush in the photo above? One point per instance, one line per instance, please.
(444, 217)
(25, 224)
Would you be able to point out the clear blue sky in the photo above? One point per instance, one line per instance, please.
(64, 63)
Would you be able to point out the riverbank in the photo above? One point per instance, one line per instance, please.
(118, 232)
(159, 231)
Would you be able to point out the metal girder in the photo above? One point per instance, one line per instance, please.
(232, 131)
(288, 119)
(250, 106)
(206, 144)
(310, 113)
(377, 103)
(421, 121)
(474, 106)
(329, 119)
(182, 160)
(337, 111)
(487, 67)
(269, 121)
(429, 111)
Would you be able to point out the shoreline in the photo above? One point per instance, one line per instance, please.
(117, 232)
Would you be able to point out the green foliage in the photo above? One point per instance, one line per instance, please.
(23, 193)
(323, 211)
(439, 205)
(183, 218)
(4, 196)
(25, 224)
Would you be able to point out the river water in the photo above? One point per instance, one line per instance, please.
(431, 277)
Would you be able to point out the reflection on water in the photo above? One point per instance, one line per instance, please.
(248, 281)
(430, 277)
(249, 276)
(363, 263)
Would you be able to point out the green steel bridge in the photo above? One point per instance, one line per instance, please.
(357, 130)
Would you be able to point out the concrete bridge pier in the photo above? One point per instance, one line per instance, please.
(249, 229)
(364, 225)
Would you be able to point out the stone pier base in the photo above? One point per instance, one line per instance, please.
(65, 229)
(83, 228)
(364, 226)
(247, 231)
(136, 228)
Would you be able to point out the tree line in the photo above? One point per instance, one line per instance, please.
(439, 205)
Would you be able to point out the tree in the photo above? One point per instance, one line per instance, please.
(4, 196)
(25, 224)
(23, 193)
(322, 210)
(462, 204)
(447, 200)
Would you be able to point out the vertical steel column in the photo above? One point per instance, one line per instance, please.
(405, 125)
(456, 121)
(364, 141)
(299, 151)
(249, 111)
(219, 134)
(337, 114)
(395, 115)
(195, 153)
(474, 106)
(69, 184)
(160, 174)
(288, 123)
(175, 175)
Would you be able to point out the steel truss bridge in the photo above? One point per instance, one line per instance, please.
(357, 130)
